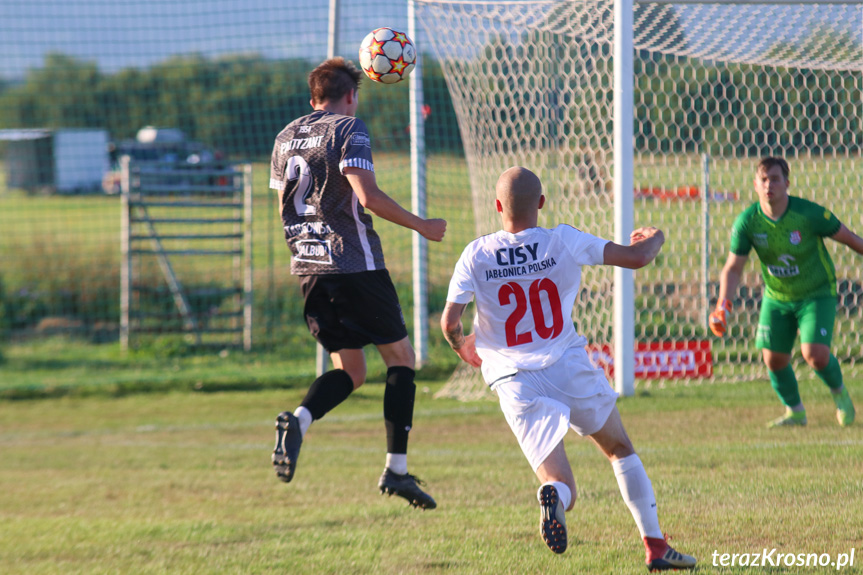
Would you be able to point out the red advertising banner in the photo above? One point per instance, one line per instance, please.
(666, 359)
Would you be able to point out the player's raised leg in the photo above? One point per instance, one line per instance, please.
(637, 492)
(325, 393)
(399, 397)
(289, 439)
(556, 495)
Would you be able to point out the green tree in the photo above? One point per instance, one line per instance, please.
(235, 104)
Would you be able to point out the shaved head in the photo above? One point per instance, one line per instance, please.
(518, 190)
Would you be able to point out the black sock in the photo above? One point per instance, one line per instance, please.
(399, 397)
(327, 392)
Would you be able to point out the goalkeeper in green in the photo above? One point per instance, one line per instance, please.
(800, 286)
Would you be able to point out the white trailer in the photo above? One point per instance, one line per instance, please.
(62, 160)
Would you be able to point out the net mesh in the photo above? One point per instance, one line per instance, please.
(221, 78)
(716, 87)
(504, 82)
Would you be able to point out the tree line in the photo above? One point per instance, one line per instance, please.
(238, 104)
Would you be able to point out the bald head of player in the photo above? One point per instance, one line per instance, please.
(519, 199)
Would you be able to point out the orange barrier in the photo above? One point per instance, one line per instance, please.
(682, 193)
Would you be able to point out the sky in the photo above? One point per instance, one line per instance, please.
(117, 34)
(122, 33)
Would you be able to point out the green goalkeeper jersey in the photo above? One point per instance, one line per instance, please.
(794, 261)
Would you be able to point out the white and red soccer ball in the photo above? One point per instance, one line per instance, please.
(387, 55)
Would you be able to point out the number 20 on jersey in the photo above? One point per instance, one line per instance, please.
(513, 291)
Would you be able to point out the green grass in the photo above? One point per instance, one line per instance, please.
(60, 255)
(74, 228)
(60, 260)
(56, 232)
(181, 483)
(59, 366)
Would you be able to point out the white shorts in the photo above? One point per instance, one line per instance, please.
(541, 405)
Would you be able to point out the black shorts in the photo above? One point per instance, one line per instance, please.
(350, 311)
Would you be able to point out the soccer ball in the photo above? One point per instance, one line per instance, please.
(387, 55)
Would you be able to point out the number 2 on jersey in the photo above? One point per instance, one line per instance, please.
(298, 169)
(511, 290)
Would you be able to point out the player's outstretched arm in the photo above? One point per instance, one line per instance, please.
(729, 279)
(453, 331)
(849, 238)
(645, 244)
(380, 204)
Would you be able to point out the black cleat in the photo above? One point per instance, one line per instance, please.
(552, 523)
(289, 438)
(406, 486)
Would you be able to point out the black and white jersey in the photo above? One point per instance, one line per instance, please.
(326, 227)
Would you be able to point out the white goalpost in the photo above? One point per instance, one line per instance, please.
(419, 250)
(624, 310)
(655, 113)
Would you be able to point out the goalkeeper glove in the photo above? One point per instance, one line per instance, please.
(717, 321)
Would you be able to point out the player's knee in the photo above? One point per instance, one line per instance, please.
(358, 376)
(776, 365)
(818, 361)
(407, 357)
(399, 354)
(621, 450)
(617, 448)
(776, 362)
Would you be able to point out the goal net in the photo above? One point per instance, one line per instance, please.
(716, 87)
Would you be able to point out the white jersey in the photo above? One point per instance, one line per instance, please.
(525, 285)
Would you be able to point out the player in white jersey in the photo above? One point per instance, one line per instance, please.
(525, 279)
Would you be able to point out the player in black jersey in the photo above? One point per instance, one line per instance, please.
(322, 168)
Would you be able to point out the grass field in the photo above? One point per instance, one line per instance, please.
(60, 255)
(100, 477)
(83, 228)
(181, 483)
(57, 367)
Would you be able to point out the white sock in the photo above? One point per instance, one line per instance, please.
(637, 492)
(397, 463)
(305, 417)
(563, 491)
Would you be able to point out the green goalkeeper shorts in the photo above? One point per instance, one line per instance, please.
(779, 321)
